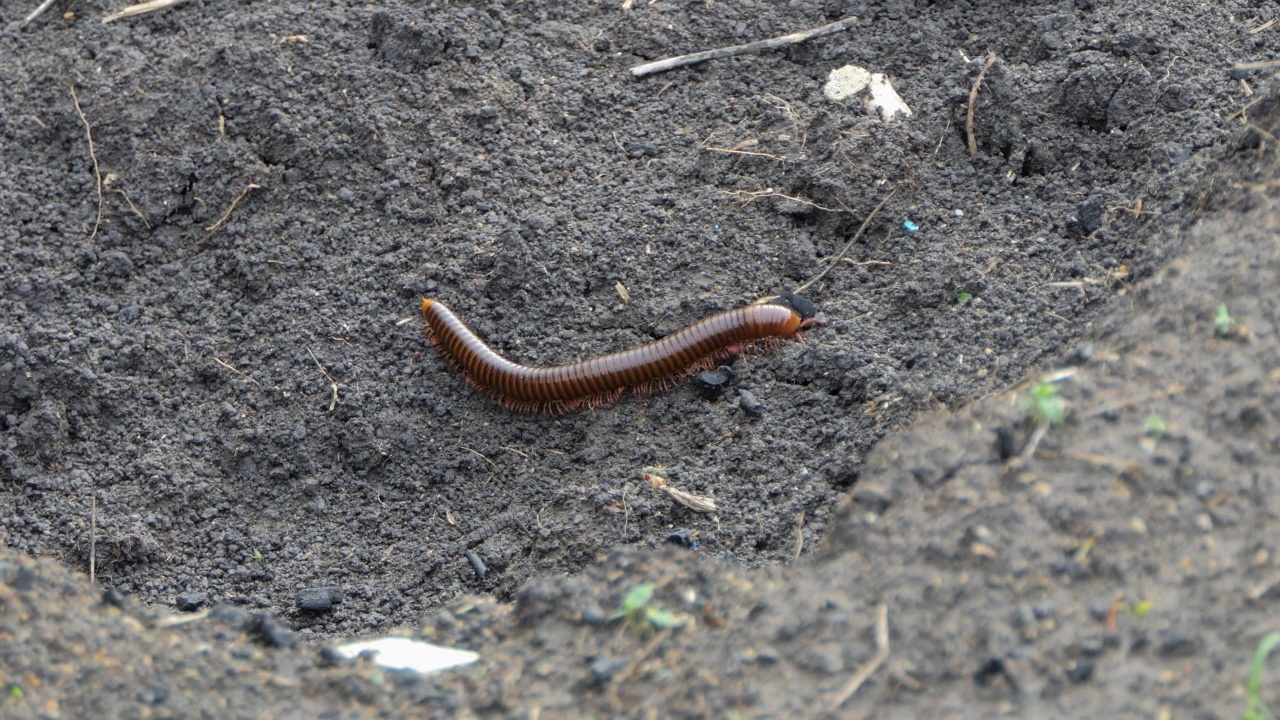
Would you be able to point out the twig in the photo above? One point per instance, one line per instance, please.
(799, 536)
(771, 156)
(133, 207)
(882, 654)
(1033, 443)
(845, 250)
(333, 384)
(226, 214)
(36, 13)
(93, 155)
(93, 538)
(176, 620)
(753, 195)
(142, 9)
(228, 366)
(753, 47)
(1122, 403)
(973, 100)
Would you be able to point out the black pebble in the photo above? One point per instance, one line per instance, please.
(189, 601)
(750, 402)
(113, 597)
(593, 614)
(1082, 671)
(1173, 643)
(604, 668)
(270, 631)
(683, 538)
(711, 384)
(229, 614)
(990, 670)
(477, 564)
(319, 599)
(1090, 214)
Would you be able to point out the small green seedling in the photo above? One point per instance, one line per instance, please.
(1045, 404)
(1256, 709)
(15, 692)
(257, 556)
(1141, 608)
(637, 612)
(1222, 322)
(1155, 426)
(964, 297)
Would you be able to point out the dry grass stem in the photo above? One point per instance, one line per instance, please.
(93, 538)
(771, 156)
(973, 101)
(865, 672)
(36, 13)
(226, 214)
(1126, 402)
(228, 366)
(799, 536)
(142, 9)
(93, 155)
(845, 250)
(696, 503)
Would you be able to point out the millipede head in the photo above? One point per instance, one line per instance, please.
(802, 305)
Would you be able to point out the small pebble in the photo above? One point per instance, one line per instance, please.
(1081, 672)
(319, 599)
(1204, 522)
(604, 668)
(750, 402)
(683, 538)
(711, 384)
(1173, 643)
(270, 631)
(477, 565)
(189, 601)
(113, 597)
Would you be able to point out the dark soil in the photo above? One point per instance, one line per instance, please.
(220, 394)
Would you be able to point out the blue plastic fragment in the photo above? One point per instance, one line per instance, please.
(910, 226)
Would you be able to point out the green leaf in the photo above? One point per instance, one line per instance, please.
(663, 619)
(1222, 321)
(962, 298)
(15, 692)
(1142, 607)
(637, 597)
(1155, 425)
(1256, 710)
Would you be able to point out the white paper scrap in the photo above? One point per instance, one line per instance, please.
(401, 653)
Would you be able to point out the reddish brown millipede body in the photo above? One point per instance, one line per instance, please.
(601, 380)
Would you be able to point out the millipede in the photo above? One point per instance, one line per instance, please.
(601, 380)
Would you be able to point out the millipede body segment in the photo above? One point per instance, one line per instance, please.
(600, 380)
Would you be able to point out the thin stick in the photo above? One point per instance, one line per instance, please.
(973, 100)
(771, 156)
(93, 155)
(333, 384)
(226, 214)
(142, 9)
(753, 47)
(93, 538)
(36, 13)
(845, 250)
(228, 366)
(1122, 403)
(882, 654)
(799, 536)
